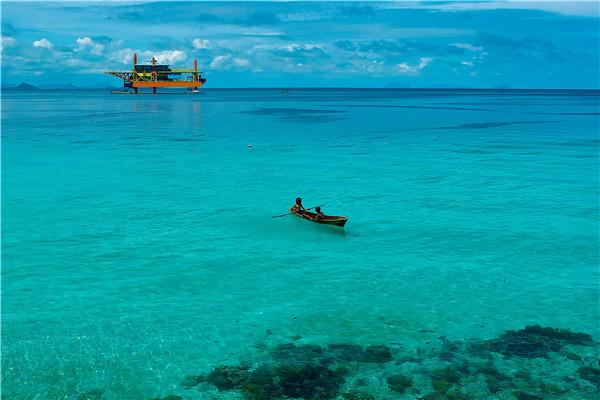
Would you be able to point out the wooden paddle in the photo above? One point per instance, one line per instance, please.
(283, 215)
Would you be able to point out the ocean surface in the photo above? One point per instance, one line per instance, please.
(138, 244)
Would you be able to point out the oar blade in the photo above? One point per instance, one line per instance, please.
(282, 215)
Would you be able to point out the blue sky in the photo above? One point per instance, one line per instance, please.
(289, 44)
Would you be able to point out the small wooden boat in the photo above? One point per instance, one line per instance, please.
(328, 220)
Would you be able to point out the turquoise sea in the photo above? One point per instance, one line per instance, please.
(138, 246)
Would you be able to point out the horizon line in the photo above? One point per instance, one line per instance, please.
(76, 88)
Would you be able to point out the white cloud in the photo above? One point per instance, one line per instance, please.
(87, 43)
(7, 41)
(224, 62)
(169, 56)
(467, 46)
(241, 62)
(423, 62)
(406, 68)
(200, 43)
(125, 56)
(304, 16)
(43, 43)
(293, 47)
(218, 61)
(374, 67)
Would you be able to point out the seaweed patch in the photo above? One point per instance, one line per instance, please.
(306, 115)
(535, 341)
(590, 374)
(440, 369)
(486, 125)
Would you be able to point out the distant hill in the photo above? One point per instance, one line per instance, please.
(24, 87)
(60, 86)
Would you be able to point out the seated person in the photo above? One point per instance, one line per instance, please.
(297, 207)
(320, 217)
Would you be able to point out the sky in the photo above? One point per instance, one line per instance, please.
(481, 44)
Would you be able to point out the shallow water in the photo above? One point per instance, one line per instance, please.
(138, 244)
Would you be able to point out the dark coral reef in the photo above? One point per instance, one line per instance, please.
(503, 367)
(535, 341)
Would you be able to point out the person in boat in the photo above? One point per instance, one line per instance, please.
(319, 217)
(297, 207)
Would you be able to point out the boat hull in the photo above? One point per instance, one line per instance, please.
(329, 220)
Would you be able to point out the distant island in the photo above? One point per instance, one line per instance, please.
(60, 86)
(24, 87)
(27, 87)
